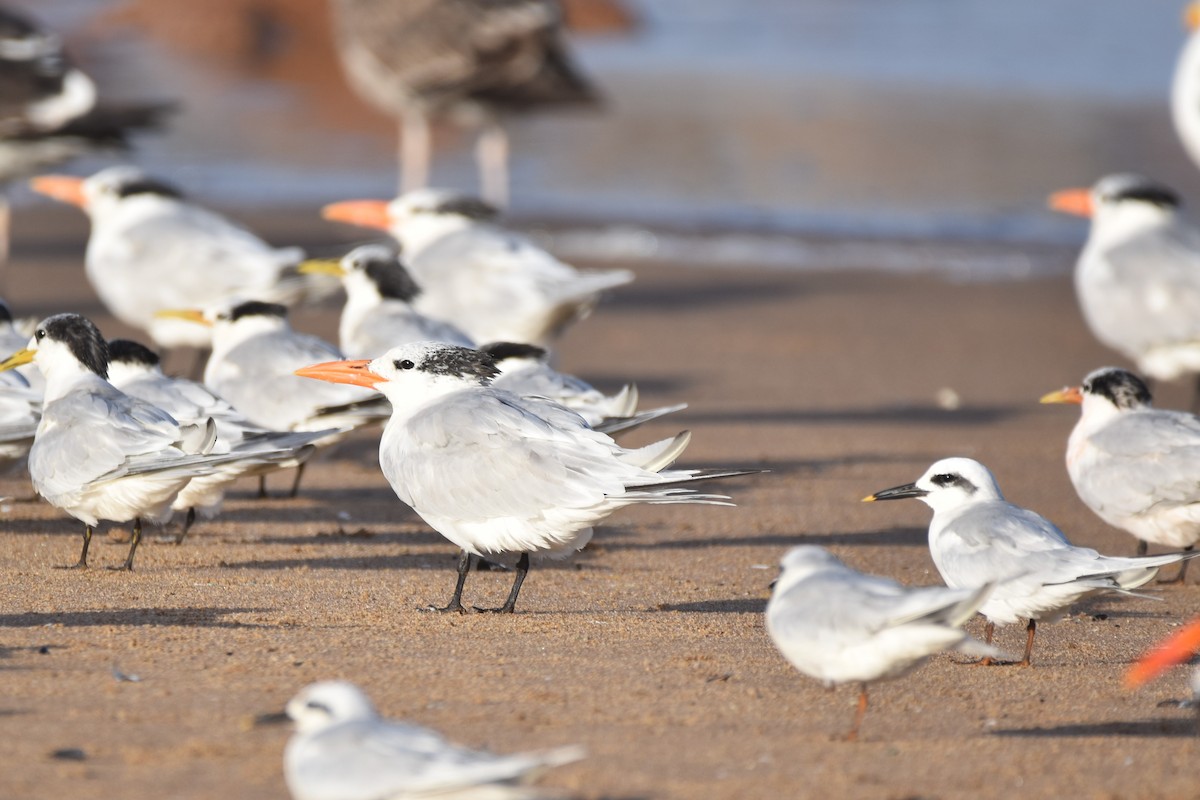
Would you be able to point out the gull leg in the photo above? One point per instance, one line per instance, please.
(988, 631)
(415, 147)
(137, 537)
(1030, 630)
(87, 541)
(510, 603)
(491, 154)
(1182, 568)
(455, 604)
(296, 481)
(859, 713)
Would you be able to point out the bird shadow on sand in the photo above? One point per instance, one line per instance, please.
(740, 605)
(904, 537)
(886, 415)
(154, 617)
(1164, 727)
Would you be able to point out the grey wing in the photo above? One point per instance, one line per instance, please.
(998, 541)
(487, 453)
(1159, 276)
(1149, 459)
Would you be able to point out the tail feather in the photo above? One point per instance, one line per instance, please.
(611, 425)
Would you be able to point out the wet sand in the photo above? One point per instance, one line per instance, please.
(649, 647)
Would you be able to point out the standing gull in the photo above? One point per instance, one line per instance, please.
(499, 474)
(838, 625)
(470, 61)
(978, 537)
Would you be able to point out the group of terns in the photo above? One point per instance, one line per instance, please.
(444, 338)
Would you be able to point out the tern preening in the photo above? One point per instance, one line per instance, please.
(1137, 278)
(493, 284)
(343, 750)
(1137, 467)
(838, 625)
(498, 474)
(978, 537)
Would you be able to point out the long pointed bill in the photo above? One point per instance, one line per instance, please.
(66, 188)
(1191, 16)
(896, 493)
(355, 373)
(1073, 201)
(367, 213)
(1175, 649)
(189, 314)
(17, 359)
(321, 266)
(1068, 394)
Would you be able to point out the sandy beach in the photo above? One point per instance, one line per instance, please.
(649, 647)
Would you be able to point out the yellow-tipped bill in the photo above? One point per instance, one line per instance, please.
(17, 359)
(355, 373)
(1069, 394)
(1175, 649)
(189, 314)
(321, 266)
(367, 213)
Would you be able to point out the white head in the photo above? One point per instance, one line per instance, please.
(513, 357)
(1119, 205)
(66, 348)
(803, 561)
(319, 705)
(375, 272)
(129, 360)
(105, 191)
(948, 484)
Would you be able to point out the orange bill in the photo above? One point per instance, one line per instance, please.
(1191, 16)
(65, 188)
(355, 373)
(1175, 649)
(366, 213)
(1069, 394)
(1073, 201)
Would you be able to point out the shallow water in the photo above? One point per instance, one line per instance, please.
(765, 120)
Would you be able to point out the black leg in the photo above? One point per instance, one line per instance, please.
(187, 526)
(455, 604)
(1182, 568)
(87, 540)
(1143, 547)
(262, 486)
(511, 602)
(137, 537)
(1030, 630)
(296, 483)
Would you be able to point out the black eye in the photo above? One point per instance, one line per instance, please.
(40, 334)
(405, 364)
(318, 706)
(945, 479)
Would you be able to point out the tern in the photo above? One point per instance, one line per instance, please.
(1137, 278)
(254, 356)
(838, 625)
(469, 61)
(501, 474)
(379, 314)
(150, 250)
(343, 749)
(524, 370)
(494, 284)
(134, 369)
(1185, 88)
(99, 454)
(978, 537)
(1137, 467)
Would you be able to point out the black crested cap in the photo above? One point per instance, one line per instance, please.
(81, 336)
(1129, 186)
(460, 362)
(146, 185)
(257, 308)
(14, 25)
(391, 278)
(5, 314)
(504, 350)
(126, 351)
(947, 479)
(1121, 387)
(470, 207)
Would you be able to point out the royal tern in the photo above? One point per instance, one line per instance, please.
(1138, 276)
(254, 357)
(99, 454)
(1185, 88)
(499, 474)
(494, 284)
(838, 625)
(469, 61)
(978, 537)
(151, 250)
(1136, 466)
(524, 369)
(378, 314)
(134, 369)
(343, 750)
